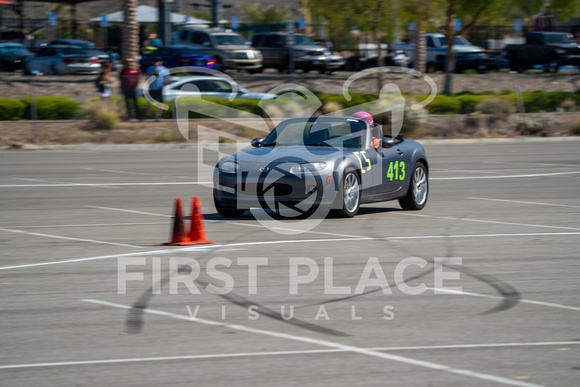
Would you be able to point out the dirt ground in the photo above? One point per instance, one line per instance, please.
(17, 134)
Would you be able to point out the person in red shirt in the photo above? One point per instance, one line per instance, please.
(129, 77)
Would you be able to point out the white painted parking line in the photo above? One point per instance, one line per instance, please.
(244, 244)
(136, 173)
(232, 223)
(325, 343)
(542, 303)
(63, 185)
(505, 176)
(489, 221)
(280, 353)
(131, 211)
(463, 170)
(531, 163)
(94, 225)
(524, 202)
(121, 172)
(70, 239)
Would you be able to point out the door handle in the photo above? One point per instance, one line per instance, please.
(400, 152)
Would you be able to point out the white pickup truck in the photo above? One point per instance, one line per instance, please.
(467, 56)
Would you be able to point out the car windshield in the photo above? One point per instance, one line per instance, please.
(559, 39)
(302, 39)
(319, 131)
(13, 50)
(191, 52)
(229, 40)
(74, 51)
(458, 40)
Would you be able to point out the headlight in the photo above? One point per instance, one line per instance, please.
(229, 166)
(312, 167)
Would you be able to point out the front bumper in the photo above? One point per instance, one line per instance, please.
(92, 68)
(243, 191)
(243, 64)
(331, 62)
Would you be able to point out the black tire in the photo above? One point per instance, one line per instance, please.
(255, 71)
(349, 194)
(226, 211)
(418, 192)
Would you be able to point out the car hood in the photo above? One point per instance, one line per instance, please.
(236, 48)
(283, 154)
(18, 55)
(466, 48)
(309, 48)
(569, 48)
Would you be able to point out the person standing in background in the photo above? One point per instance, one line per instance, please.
(160, 74)
(104, 81)
(129, 78)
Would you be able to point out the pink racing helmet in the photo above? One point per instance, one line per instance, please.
(365, 116)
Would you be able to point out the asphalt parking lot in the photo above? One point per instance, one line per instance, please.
(482, 284)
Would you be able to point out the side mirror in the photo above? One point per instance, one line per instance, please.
(389, 142)
(257, 142)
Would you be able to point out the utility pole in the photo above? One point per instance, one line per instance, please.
(217, 7)
(164, 21)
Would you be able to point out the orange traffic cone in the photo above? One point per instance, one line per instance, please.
(179, 236)
(197, 232)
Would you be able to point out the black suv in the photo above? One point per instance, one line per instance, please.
(308, 55)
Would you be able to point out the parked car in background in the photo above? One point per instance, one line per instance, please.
(85, 44)
(548, 49)
(13, 36)
(467, 56)
(12, 56)
(277, 48)
(207, 86)
(229, 48)
(62, 60)
(179, 56)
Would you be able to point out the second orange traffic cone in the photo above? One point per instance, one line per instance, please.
(197, 231)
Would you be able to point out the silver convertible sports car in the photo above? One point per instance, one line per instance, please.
(311, 165)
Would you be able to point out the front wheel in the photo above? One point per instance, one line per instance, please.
(226, 212)
(350, 194)
(416, 196)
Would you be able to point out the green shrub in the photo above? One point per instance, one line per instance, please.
(469, 102)
(102, 115)
(444, 105)
(11, 109)
(51, 108)
(495, 106)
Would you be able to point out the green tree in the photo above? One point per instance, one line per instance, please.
(476, 11)
(373, 17)
(422, 12)
(260, 13)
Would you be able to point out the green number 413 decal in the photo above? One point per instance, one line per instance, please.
(396, 170)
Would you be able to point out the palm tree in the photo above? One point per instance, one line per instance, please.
(129, 30)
